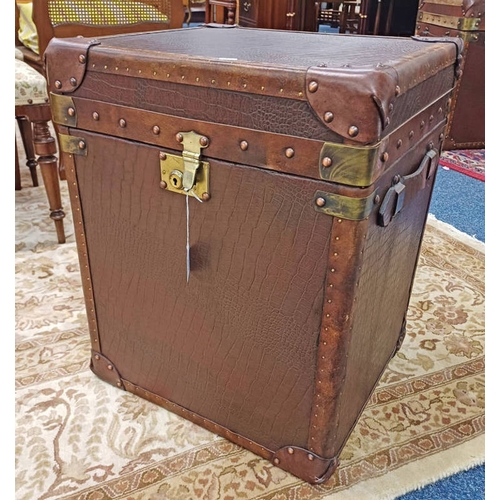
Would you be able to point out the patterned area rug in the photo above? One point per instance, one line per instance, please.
(470, 162)
(79, 438)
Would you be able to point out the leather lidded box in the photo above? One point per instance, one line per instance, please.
(249, 207)
(464, 19)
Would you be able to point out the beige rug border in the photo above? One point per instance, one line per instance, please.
(455, 233)
(409, 477)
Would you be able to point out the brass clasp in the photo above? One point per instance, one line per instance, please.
(187, 173)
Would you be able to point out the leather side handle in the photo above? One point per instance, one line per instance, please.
(405, 188)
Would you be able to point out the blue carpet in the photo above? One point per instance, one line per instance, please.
(459, 200)
(466, 485)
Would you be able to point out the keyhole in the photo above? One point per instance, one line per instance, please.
(176, 179)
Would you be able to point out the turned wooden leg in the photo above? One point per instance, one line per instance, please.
(27, 137)
(18, 173)
(45, 148)
(230, 15)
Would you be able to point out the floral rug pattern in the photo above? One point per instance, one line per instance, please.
(78, 437)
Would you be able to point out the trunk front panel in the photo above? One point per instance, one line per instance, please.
(237, 343)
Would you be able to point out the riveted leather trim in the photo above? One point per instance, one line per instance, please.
(252, 78)
(344, 266)
(68, 163)
(105, 369)
(305, 464)
(457, 41)
(69, 56)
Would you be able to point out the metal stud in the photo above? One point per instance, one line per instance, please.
(119, 384)
(243, 145)
(97, 357)
(163, 156)
(320, 202)
(422, 124)
(397, 90)
(385, 156)
(310, 457)
(163, 185)
(289, 152)
(411, 134)
(110, 367)
(71, 111)
(204, 141)
(205, 196)
(328, 117)
(353, 131)
(179, 137)
(156, 130)
(399, 143)
(82, 59)
(290, 451)
(95, 116)
(326, 162)
(57, 84)
(82, 145)
(276, 461)
(72, 81)
(122, 123)
(313, 86)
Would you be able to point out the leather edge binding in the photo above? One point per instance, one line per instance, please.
(67, 164)
(344, 267)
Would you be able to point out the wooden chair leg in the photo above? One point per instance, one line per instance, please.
(45, 148)
(18, 173)
(27, 137)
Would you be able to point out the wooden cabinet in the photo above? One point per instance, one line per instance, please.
(299, 15)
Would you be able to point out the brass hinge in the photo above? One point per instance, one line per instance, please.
(72, 145)
(187, 173)
(457, 23)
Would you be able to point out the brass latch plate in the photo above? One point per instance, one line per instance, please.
(172, 173)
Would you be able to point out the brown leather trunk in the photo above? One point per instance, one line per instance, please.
(464, 19)
(297, 169)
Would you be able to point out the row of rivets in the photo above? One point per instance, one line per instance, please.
(197, 79)
(321, 202)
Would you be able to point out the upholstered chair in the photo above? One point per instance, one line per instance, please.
(33, 116)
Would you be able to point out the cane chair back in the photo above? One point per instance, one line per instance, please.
(69, 18)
